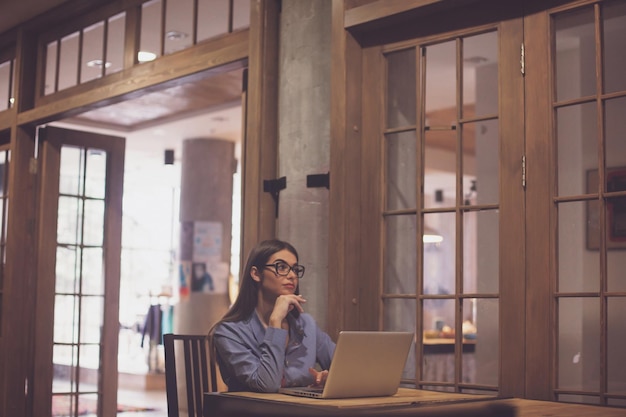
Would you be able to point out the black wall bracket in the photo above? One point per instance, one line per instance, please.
(274, 187)
(318, 180)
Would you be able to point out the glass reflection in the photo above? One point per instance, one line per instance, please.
(579, 344)
(481, 332)
(399, 315)
(51, 68)
(480, 75)
(212, 18)
(400, 269)
(616, 345)
(91, 319)
(577, 146)
(92, 53)
(150, 37)
(579, 267)
(401, 88)
(93, 271)
(5, 87)
(94, 223)
(65, 316)
(575, 54)
(178, 25)
(481, 252)
(615, 125)
(115, 43)
(481, 163)
(68, 61)
(401, 171)
(614, 34)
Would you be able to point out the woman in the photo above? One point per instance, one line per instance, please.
(263, 342)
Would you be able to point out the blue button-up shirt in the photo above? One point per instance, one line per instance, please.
(253, 358)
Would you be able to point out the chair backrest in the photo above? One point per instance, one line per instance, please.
(200, 371)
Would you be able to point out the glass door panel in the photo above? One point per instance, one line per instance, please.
(77, 316)
(440, 218)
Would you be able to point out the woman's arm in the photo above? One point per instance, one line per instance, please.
(253, 367)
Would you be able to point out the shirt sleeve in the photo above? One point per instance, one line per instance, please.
(325, 349)
(255, 368)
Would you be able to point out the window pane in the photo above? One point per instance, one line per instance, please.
(577, 146)
(241, 14)
(68, 67)
(438, 341)
(440, 168)
(93, 52)
(401, 177)
(63, 357)
(481, 162)
(399, 315)
(400, 255)
(439, 257)
(51, 68)
(615, 125)
(71, 175)
(481, 330)
(178, 25)
(67, 270)
(579, 344)
(151, 28)
(65, 314)
(616, 345)
(94, 223)
(614, 16)
(575, 54)
(481, 252)
(115, 43)
(69, 228)
(93, 271)
(401, 93)
(95, 178)
(579, 267)
(212, 18)
(5, 85)
(480, 75)
(441, 71)
(91, 319)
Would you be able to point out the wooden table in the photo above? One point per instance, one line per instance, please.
(407, 402)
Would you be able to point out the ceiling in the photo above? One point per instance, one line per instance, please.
(209, 107)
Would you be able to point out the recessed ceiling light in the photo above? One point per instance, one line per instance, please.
(97, 63)
(145, 56)
(175, 35)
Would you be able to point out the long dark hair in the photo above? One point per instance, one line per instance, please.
(248, 295)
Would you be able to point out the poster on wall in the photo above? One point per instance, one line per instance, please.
(209, 274)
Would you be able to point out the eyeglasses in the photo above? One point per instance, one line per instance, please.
(282, 268)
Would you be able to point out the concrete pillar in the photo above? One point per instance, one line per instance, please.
(205, 234)
(304, 141)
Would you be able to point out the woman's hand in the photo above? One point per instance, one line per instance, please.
(283, 305)
(319, 377)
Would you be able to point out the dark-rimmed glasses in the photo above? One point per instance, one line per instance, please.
(282, 269)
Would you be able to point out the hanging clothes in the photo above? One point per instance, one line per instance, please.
(153, 326)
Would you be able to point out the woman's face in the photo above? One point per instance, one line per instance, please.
(272, 284)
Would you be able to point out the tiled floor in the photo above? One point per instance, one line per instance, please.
(153, 398)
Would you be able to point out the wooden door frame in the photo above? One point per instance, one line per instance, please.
(46, 266)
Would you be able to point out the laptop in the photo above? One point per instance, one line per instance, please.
(365, 364)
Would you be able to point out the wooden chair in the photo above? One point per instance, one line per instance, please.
(200, 371)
